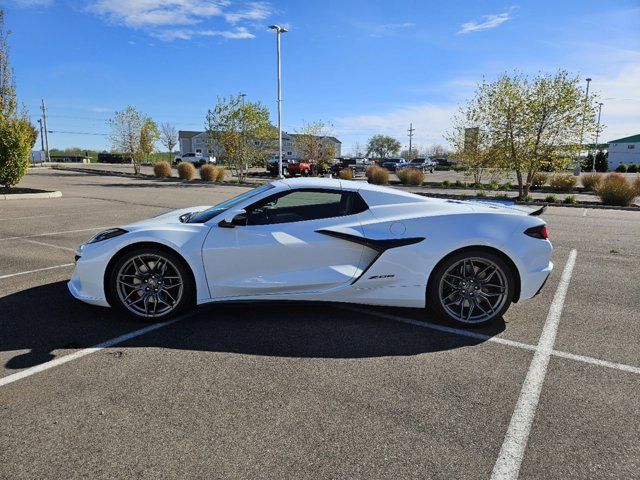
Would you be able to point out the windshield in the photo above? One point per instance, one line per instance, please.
(209, 213)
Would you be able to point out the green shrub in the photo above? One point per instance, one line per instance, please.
(539, 180)
(527, 198)
(411, 176)
(494, 185)
(345, 174)
(616, 190)
(633, 168)
(622, 168)
(563, 183)
(208, 173)
(16, 141)
(186, 171)
(481, 194)
(506, 186)
(377, 175)
(590, 181)
(551, 199)
(162, 170)
(458, 183)
(570, 199)
(477, 185)
(502, 196)
(446, 183)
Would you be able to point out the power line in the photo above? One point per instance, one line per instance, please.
(78, 133)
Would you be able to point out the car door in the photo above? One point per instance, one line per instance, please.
(280, 251)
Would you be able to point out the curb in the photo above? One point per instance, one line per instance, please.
(30, 196)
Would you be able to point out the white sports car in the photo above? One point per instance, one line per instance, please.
(321, 240)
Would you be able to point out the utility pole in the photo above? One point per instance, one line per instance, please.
(411, 130)
(576, 169)
(244, 140)
(593, 165)
(46, 133)
(41, 135)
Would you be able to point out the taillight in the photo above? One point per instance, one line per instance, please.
(537, 232)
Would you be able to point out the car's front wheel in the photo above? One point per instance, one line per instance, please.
(151, 284)
(471, 287)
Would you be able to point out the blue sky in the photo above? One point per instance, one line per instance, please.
(364, 66)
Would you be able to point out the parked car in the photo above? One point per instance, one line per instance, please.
(272, 166)
(444, 162)
(357, 165)
(392, 164)
(195, 158)
(423, 163)
(320, 239)
(299, 167)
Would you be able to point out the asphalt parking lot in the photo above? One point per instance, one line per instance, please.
(311, 391)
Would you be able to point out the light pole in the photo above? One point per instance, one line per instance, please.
(593, 165)
(586, 99)
(279, 30)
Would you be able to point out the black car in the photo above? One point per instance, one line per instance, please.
(392, 164)
(425, 164)
(357, 165)
(272, 166)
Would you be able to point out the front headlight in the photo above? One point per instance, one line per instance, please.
(107, 234)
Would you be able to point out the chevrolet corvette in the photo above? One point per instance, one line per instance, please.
(316, 239)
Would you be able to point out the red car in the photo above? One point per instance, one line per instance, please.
(299, 167)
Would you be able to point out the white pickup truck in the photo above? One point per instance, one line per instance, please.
(195, 158)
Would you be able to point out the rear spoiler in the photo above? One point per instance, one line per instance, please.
(538, 211)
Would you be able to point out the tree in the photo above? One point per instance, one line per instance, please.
(243, 132)
(168, 138)
(602, 161)
(409, 155)
(131, 132)
(529, 124)
(475, 148)
(311, 141)
(17, 134)
(357, 150)
(438, 151)
(382, 145)
(148, 136)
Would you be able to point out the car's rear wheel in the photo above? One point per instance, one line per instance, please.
(471, 288)
(151, 284)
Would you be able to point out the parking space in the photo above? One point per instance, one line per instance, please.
(311, 391)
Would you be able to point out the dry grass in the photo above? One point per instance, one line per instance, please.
(186, 171)
(377, 175)
(162, 170)
(591, 181)
(220, 175)
(563, 183)
(411, 176)
(346, 174)
(616, 190)
(209, 173)
(539, 180)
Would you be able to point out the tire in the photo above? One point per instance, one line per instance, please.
(472, 287)
(151, 284)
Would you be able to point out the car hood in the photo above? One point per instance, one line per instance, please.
(172, 216)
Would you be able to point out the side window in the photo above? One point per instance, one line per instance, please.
(304, 205)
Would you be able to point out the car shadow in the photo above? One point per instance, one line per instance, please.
(40, 321)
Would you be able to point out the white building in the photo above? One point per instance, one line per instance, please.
(624, 150)
(197, 142)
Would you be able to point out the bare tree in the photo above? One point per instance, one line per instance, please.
(133, 135)
(168, 137)
(312, 142)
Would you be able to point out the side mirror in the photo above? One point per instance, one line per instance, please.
(234, 218)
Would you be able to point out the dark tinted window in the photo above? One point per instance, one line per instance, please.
(305, 205)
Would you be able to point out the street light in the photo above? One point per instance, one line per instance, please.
(593, 165)
(279, 30)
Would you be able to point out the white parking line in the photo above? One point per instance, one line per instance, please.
(49, 245)
(54, 233)
(507, 466)
(36, 270)
(88, 351)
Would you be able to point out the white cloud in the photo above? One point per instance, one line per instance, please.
(621, 98)
(256, 11)
(490, 21)
(177, 19)
(99, 110)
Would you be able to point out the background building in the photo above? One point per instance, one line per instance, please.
(624, 150)
(198, 142)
